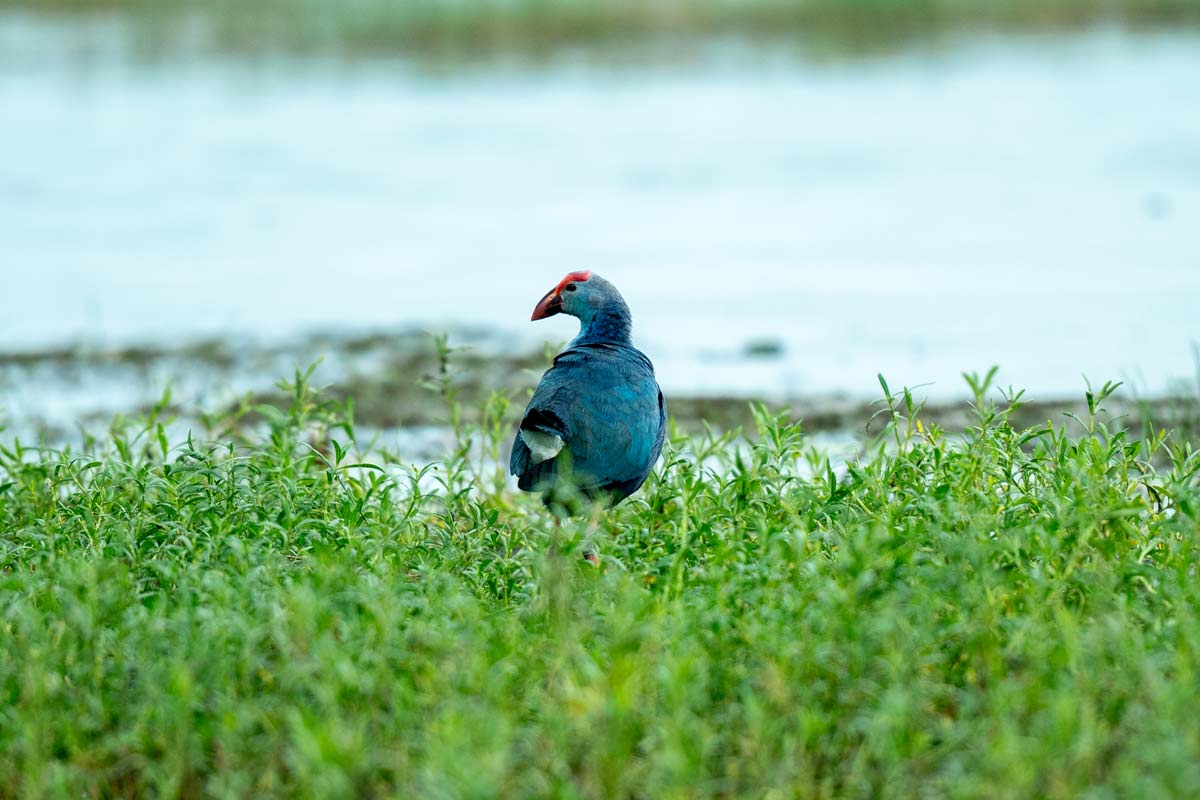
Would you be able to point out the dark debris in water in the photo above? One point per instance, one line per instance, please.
(763, 348)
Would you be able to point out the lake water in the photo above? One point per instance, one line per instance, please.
(1033, 203)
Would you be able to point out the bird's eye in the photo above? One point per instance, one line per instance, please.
(570, 287)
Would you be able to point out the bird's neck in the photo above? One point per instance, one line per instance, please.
(605, 326)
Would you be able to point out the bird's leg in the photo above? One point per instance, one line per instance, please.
(589, 550)
(555, 532)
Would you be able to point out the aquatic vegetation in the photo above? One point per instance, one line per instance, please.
(465, 25)
(1011, 612)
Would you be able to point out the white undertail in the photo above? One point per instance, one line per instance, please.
(542, 446)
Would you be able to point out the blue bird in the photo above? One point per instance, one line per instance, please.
(595, 425)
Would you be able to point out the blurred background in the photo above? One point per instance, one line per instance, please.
(792, 195)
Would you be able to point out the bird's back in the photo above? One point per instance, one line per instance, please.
(603, 402)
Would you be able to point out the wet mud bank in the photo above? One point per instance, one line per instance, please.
(405, 380)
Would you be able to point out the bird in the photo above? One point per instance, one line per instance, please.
(594, 428)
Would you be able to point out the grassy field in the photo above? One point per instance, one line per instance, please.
(464, 26)
(1006, 613)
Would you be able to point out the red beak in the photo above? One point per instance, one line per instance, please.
(550, 305)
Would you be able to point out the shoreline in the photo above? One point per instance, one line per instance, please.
(441, 34)
(394, 377)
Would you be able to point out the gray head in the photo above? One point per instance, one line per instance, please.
(596, 303)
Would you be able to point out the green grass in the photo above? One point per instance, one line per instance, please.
(1008, 613)
(465, 26)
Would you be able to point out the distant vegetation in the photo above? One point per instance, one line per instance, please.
(462, 25)
(1013, 612)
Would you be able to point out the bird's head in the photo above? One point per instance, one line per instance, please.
(596, 303)
(575, 295)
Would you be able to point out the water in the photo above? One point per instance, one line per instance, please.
(1033, 203)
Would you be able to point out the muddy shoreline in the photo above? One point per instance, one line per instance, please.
(396, 380)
